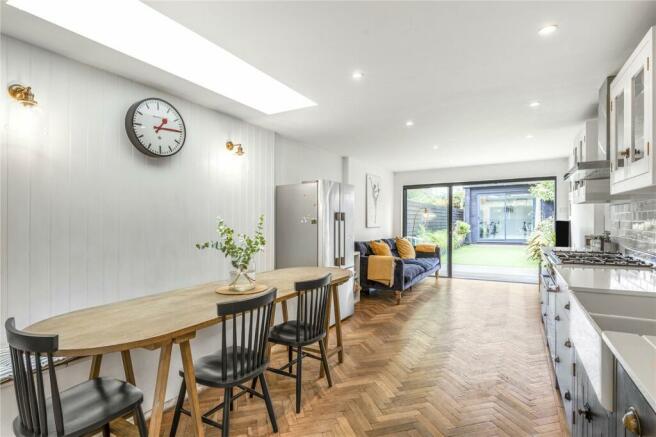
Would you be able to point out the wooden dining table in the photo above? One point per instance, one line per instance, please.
(159, 321)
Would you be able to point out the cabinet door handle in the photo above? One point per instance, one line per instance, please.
(567, 306)
(544, 315)
(586, 412)
(567, 395)
(557, 359)
(631, 421)
(568, 343)
(557, 318)
(626, 152)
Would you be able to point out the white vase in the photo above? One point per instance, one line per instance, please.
(242, 279)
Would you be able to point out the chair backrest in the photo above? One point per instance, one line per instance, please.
(313, 298)
(26, 348)
(255, 322)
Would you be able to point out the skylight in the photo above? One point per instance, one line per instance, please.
(139, 31)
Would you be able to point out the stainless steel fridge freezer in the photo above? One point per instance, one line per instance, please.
(314, 227)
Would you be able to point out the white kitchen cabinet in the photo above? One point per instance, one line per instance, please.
(632, 120)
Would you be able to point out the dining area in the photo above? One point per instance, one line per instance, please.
(167, 324)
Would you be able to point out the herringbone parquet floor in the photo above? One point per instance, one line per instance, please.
(463, 358)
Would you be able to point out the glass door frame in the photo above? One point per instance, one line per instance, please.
(449, 186)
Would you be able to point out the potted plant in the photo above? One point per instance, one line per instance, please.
(240, 248)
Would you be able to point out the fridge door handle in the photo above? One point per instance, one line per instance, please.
(336, 241)
(342, 216)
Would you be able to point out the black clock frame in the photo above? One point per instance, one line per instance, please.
(132, 136)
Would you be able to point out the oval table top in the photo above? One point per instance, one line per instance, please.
(158, 318)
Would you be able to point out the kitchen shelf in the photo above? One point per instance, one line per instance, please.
(588, 171)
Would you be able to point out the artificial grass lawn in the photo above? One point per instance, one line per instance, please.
(500, 255)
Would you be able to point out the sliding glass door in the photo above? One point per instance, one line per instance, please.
(481, 228)
(427, 217)
(506, 217)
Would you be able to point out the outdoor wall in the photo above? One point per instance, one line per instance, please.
(544, 168)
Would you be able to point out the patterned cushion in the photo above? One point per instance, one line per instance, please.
(405, 248)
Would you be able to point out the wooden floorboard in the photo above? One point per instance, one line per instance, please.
(463, 358)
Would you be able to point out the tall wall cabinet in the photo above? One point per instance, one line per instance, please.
(632, 121)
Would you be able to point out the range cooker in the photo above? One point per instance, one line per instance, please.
(594, 258)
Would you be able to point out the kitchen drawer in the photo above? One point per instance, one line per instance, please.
(563, 371)
(550, 325)
(544, 301)
(628, 396)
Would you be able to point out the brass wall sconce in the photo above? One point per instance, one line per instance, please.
(239, 150)
(22, 94)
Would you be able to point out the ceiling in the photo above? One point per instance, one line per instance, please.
(464, 72)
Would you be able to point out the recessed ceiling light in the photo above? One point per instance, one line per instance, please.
(529, 136)
(534, 104)
(409, 123)
(548, 30)
(435, 147)
(357, 75)
(152, 37)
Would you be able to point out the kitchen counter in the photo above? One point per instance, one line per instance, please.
(608, 279)
(637, 354)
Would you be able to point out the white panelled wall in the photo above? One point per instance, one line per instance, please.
(88, 219)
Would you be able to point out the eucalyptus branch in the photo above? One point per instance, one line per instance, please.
(239, 247)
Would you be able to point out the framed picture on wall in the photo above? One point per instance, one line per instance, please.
(373, 203)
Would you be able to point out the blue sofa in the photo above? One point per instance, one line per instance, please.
(407, 272)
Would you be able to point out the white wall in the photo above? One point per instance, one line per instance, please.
(296, 162)
(544, 168)
(88, 219)
(357, 171)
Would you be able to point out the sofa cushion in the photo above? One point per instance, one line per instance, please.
(406, 251)
(363, 248)
(425, 263)
(380, 248)
(411, 271)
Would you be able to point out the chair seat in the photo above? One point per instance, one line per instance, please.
(209, 369)
(285, 333)
(89, 405)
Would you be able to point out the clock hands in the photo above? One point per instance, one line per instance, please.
(170, 130)
(157, 128)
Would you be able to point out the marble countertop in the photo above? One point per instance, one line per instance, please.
(637, 355)
(608, 279)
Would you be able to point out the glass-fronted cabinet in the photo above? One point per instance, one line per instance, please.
(631, 121)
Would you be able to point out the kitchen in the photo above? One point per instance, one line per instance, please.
(597, 299)
(286, 139)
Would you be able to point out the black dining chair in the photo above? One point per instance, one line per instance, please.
(82, 409)
(309, 327)
(244, 359)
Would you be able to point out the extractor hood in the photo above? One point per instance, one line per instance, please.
(588, 169)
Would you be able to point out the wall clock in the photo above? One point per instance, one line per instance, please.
(155, 127)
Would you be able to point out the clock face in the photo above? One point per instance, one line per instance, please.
(155, 127)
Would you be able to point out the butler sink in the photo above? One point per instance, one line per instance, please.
(594, 313)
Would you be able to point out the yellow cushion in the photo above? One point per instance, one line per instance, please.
(405, 249)
(426, 248)
(380, 248)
